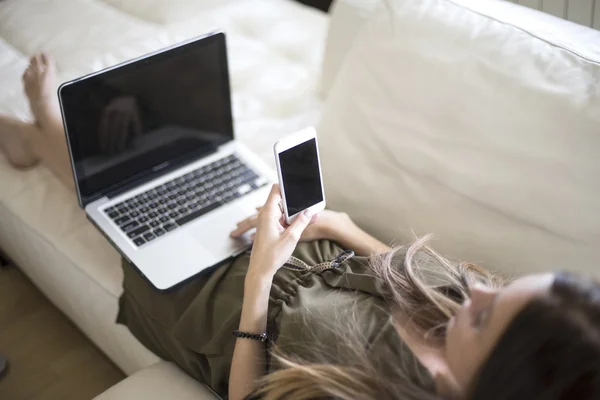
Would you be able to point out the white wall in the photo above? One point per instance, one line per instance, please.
(584, 12)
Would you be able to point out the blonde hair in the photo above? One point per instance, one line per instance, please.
(418, 283)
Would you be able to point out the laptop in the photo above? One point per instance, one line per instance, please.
(156, 166)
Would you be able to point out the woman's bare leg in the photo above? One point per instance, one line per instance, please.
(15, 143)
(24, 144)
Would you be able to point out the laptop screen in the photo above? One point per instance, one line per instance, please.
(156, 113)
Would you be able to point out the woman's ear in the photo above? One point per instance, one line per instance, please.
(447, 385)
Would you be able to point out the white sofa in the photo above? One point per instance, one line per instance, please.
(476, 120)
(275, 49)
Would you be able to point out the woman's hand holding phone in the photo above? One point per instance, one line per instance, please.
(324, 225)
(274, 242)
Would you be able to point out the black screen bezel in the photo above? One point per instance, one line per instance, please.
(319, 173)
(85, 198)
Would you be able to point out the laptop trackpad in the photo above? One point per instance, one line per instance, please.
(213, 233)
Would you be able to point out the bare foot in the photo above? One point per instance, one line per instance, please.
(39, 81)
(15, 142)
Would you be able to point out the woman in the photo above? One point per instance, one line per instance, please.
(345, 316)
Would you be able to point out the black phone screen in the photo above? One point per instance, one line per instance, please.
(301, 176)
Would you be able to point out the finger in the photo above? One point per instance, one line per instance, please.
(253, 236)
(271, 207)
(294, 232)
(259, 208)
(245, 226)
(283, 222)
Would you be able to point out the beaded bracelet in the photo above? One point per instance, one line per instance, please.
(262, 337)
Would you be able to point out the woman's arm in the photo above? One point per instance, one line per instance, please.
(248, 364)
(344, 231)
(273, 245)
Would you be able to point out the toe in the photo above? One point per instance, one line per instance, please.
(27, 75)
(33, 61)
(38, 64)
(47, 60)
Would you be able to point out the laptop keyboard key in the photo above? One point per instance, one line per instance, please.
(113, 214)
(154, 224)
(139, 241)
(169, 227)
(149, 236)
(138, 231)
(192, 216)
(159, 231)
(130, 225)
(152, 214)
(122, 220)
(163, 219)
(143, 218)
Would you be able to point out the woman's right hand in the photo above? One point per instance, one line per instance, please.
(274, 242)
(324, 225)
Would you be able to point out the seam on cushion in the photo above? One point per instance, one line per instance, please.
(54, 247)
(528, 32)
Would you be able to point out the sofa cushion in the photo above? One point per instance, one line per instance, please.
(347, 19)
(158, 382)
(274, 49)
(476, 120)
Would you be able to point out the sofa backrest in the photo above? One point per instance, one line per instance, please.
(477, 121)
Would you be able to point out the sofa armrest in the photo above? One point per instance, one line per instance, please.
(160, 381)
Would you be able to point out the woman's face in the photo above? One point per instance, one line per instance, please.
(476, 328)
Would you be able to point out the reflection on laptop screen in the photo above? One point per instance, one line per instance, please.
(162, 110)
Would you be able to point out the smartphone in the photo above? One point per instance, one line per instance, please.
(299, 171)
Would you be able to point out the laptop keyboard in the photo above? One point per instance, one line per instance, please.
(163, 209)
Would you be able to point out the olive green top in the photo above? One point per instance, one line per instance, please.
(310, 300)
